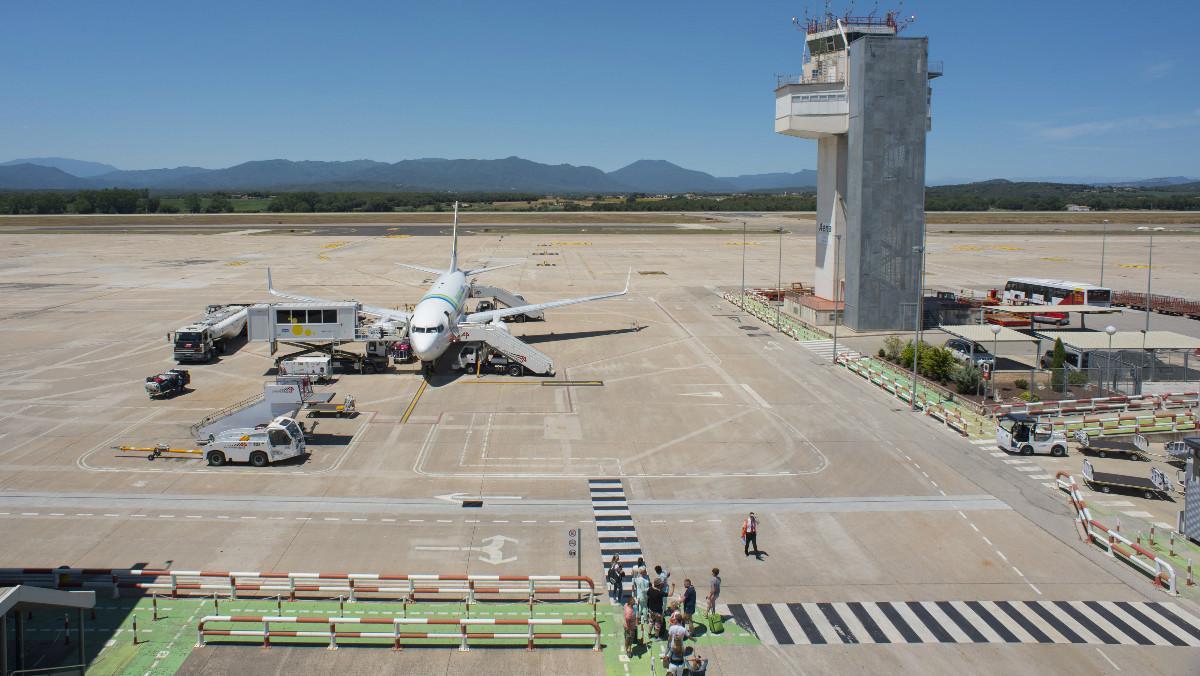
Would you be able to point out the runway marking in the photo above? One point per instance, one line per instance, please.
(413, 404)
(750, 390)
(616, 533)
(994, 622)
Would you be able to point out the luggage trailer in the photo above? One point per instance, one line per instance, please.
(1138, 449)
(1157, 487)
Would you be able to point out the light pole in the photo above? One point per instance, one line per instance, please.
(1110, 330)
(918, 251)
(742, 298)
(1103, 246)
(837, 291)
(779, 284)
(1149, 276)
(995, 356)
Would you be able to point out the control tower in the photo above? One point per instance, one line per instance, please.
(864, 95)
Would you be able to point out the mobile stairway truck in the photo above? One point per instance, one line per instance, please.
(492, 348)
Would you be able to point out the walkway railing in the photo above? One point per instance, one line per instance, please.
(1115, 544)
(467, 589)
(329, 629)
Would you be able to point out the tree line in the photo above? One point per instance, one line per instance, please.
(985, 196)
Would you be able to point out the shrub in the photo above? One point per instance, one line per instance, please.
(937, 363)
(1027, 396)
(892, 348)
(1057, 360)
(882, 353)
(966, 379)
(1021, 384)
(1077, 378)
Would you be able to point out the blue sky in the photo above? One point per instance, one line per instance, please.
(1031, 88)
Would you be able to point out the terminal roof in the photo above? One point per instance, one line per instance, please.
(1040, 309)
(982, 333)
(1123, 340)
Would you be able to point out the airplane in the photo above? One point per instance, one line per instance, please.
(433, 321)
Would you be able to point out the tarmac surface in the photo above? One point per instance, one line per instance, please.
(704, 414)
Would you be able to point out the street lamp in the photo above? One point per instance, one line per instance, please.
(837, 288)
(779, 284)
(1149, 276)
(917, 251)
(1103, 246)
(1110, 330)
(742, 298)
(995, 356)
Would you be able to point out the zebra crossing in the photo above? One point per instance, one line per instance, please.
(1089, 622)
(614, 525)
(824, 348)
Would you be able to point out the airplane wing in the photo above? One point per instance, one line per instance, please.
(500, 313)
(480, 271)
(386, 313)
(432, 271)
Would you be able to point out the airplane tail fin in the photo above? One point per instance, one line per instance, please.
(454, 241)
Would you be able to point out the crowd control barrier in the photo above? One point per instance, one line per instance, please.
(327, 629)
(1115, 544)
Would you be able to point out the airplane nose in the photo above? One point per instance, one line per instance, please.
(422, 346)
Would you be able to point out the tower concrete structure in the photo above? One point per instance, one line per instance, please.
(864, 96)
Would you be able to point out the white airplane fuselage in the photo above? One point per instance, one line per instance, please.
(437, 315)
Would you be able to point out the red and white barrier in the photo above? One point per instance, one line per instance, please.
(331, 632)
(1117, 545)
(468, 588)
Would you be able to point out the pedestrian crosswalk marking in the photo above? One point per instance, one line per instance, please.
(824, 348)
(882, 622)
(614, 526)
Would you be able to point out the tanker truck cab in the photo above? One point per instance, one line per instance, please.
(1025, 434)
(260, 446)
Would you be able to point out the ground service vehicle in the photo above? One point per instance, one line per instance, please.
(1024, 434)
(202, 340)
(168, 383)
(316, 367)
(280, 439)
(1033, 291)
(479, 357)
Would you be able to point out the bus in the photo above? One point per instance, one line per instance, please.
(1034, 291)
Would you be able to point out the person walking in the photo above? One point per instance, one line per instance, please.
(750, 534)
(687, 603)
(714, 590)
(616, 577)
(630, 627)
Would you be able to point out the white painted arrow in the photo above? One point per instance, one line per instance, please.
(492, 552)
(459, 497)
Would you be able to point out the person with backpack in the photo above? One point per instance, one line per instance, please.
(675, 658)
(750, 534)
(616, 577)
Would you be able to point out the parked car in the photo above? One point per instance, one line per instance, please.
(962, 349)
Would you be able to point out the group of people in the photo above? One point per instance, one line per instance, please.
(665, 616)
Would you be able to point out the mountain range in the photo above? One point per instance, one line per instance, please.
(510, 174)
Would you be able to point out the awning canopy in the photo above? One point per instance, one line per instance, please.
(1123, 340)
(1043, 309)
(982, 333)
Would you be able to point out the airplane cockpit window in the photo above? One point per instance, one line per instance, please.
(441, 328)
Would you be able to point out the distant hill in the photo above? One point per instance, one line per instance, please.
(661, 176)
(80, 168)
(510, 174)
(37, 177)
(141, 178)
(776, 181)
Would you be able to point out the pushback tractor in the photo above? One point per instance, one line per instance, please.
(281, 439)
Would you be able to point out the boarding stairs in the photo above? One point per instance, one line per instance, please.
(283, 397)
(499, 339)
(504, 297)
